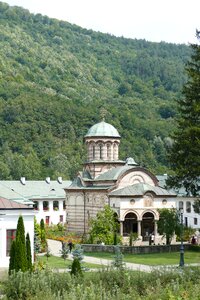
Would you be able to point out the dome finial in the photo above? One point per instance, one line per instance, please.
(103, 113)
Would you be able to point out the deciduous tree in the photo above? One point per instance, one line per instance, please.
(169, 223)
(103, 227)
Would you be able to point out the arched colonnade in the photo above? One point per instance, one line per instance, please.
(143, 225)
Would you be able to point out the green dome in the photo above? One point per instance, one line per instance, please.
(103, 129)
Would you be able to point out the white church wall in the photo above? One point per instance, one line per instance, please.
(133, 178)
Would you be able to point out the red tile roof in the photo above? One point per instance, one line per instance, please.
(10, 204)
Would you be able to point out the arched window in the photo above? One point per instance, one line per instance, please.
(55, 205)
(180, 205)
(100, 151)
(130, 224)
(188, 207)
(108, 148)
(45, 205)
(35, 205)
(93, 152)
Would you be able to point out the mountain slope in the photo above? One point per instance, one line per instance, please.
(54, 79)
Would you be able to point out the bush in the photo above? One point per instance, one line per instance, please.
(109, 284)
(76, 267)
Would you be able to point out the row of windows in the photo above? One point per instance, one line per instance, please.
(99, 148)
(188, 206)
(46, 205)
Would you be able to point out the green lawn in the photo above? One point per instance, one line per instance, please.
(169, 258)
(55, 262)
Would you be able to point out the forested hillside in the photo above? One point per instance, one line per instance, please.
(54, 79)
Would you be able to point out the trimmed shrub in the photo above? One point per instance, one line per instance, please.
(76, 267)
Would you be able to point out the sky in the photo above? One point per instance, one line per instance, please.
(172, 21)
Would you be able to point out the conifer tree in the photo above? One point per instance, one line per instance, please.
(76, 267)
(118, 259)
(37, 240)
(185, 153)
(28, 252)
(20, 247)
(12, 257)
(77, 255)
(43, 234)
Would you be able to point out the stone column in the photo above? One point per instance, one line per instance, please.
(156, 235)
(121, 228)
(139, 228)
(155, 228)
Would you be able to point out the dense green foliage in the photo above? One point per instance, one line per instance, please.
(118, 259)
(28, 252)
(76, 267)
(108, 284)
(20, 254)
(103, 227)
(168, 223)
(20, 247)
(185, 153)
(12, 257)
(43, 234)
(55, 77)
(37, 238)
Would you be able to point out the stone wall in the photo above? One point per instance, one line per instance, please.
(134, 249)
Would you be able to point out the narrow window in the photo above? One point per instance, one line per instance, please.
(10, 236)
(101, 151)
(45, 205)
(180, 205)
(55, 205)
(188, 207)
(93, 152)
(35, 205)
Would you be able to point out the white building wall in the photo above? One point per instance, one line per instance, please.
(54, 215)
(8, 220)
(189, 217)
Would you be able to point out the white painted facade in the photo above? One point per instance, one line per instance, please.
(8, 221)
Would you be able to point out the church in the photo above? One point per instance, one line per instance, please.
(129, 189)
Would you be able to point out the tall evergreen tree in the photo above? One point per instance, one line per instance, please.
(185, 152)
(37, 239)
(28, 252)
(43, 234)
(20, 247)
(12, 257)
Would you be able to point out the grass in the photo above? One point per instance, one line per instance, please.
(152, 259)
(55, 262)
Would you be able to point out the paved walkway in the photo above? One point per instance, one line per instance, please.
(56, 246)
